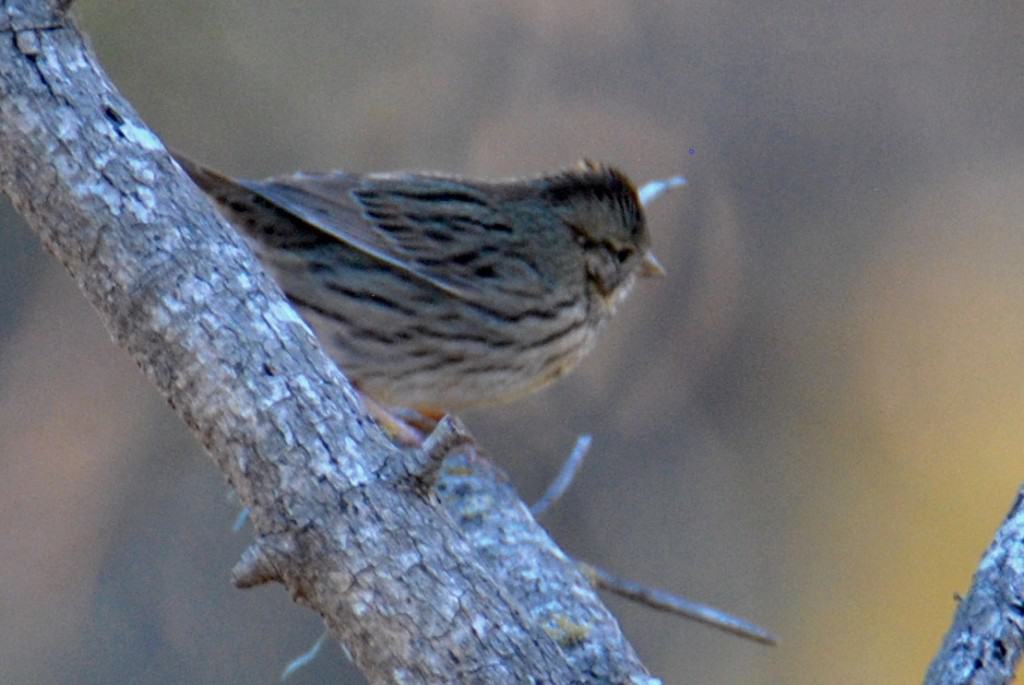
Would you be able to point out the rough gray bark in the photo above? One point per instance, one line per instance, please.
(985, 643)
(345, 520)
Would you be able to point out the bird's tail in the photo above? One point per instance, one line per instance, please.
(213, 183)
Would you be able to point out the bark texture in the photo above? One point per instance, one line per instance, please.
(985, 643)
(345, 520)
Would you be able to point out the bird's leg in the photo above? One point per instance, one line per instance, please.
(423, 419)
(408, 427)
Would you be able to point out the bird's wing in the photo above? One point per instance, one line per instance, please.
(443, 230)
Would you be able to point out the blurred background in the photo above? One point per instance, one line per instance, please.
(814, 421)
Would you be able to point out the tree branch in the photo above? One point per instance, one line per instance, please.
(412, 597)
(986, 640)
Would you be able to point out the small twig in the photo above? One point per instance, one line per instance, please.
(449, 435)
(240, 520)
(305, 658)
(648, 596)
(564, 479)
(261, 561)
(673, 604)
(651, 190)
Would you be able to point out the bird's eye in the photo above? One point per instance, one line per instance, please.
(622, 254)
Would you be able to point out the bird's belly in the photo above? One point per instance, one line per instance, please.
(451, 360)
(408, 343)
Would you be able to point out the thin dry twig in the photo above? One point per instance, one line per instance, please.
(654, 598)
(304, 659)
(673, 604)
(560, 485)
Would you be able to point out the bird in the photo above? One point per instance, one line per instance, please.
(437, 292)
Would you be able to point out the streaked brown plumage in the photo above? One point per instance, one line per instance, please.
(438, 292)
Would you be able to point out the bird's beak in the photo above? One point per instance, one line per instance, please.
(650, 267)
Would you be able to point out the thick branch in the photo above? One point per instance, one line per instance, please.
(412, 599)
(985, 643)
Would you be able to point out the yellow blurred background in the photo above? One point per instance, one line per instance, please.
(814, 421)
